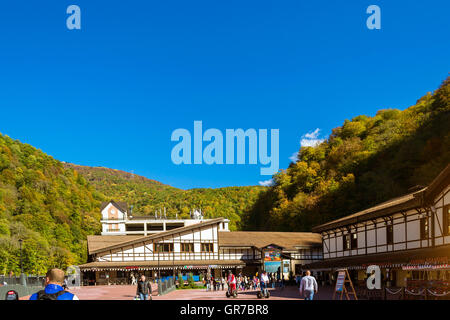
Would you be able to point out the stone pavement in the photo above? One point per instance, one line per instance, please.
(127, 292)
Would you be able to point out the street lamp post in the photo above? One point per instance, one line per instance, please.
(23, 280)
(21, 266)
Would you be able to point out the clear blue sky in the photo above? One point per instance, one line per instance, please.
(111, 93)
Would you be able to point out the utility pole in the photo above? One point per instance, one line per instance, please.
(23, 280)
(21, 265)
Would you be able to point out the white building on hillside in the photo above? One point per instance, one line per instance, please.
(117, 220)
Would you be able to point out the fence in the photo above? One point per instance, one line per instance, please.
(31, 280)
(403, 294)
(166, 286)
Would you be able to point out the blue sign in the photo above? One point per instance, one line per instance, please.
(272, 266)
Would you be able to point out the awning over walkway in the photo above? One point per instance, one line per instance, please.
(162, 265)
(394, 259)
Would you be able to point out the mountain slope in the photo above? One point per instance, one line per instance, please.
(51, 208)
(365, 161)
(148, 196)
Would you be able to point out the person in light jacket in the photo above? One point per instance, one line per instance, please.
(308, 286)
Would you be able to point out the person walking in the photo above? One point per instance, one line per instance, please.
(298, 280)
(54, 280)
(144, 289)
(264, 282)
(223, 283)
(208, 281)
(308, 286)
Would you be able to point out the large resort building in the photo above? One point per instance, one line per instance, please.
(407, 237)
(194, 245)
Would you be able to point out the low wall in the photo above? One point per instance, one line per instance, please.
(166, 286)
(21, 290)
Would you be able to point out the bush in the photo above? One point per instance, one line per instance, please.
(191, 282)
(180, 280)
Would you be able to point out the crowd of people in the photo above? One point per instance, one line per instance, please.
(306, 283)
(56, 288)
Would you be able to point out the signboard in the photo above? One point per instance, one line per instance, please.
(272, 266)
(343, 278)
(272, 255)
(272, 259)
(340, 281)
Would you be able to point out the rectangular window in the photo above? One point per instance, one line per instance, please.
(165, 247)
(354, 243)
(390, 234)
(424, 228)
(207, 247)
(446, 220)
(187, 247)
(346, 242)
(113, 228)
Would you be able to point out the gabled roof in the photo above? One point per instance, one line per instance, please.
(155, 236)
(123, 206)
(409, 201)
(437, 185)
(405, 202)
(96, 243)
(261, 239)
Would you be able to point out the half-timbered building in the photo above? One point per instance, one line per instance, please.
(408, 237)
(206, 246)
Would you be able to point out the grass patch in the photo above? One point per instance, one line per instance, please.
(191, 287)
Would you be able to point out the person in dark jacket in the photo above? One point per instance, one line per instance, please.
(54, 280)
(144, 289)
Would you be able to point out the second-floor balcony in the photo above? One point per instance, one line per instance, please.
(114, 220)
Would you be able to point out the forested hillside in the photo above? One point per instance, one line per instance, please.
(365, 161)
(52, 209)
(53, 206)
(148, 196)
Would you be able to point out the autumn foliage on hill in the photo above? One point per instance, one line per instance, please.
(53, 206)
(149, 196)
(366, 161)
(52, 209)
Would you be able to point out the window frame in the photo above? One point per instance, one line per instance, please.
(390, 234)
(190, 245)
(346, 242)
(424, 228)
(446, 219)
(353, 240)
(209, 246)
(161, 248)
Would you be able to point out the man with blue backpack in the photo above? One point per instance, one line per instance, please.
(54, 280)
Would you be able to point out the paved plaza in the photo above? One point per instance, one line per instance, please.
(127, 292)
